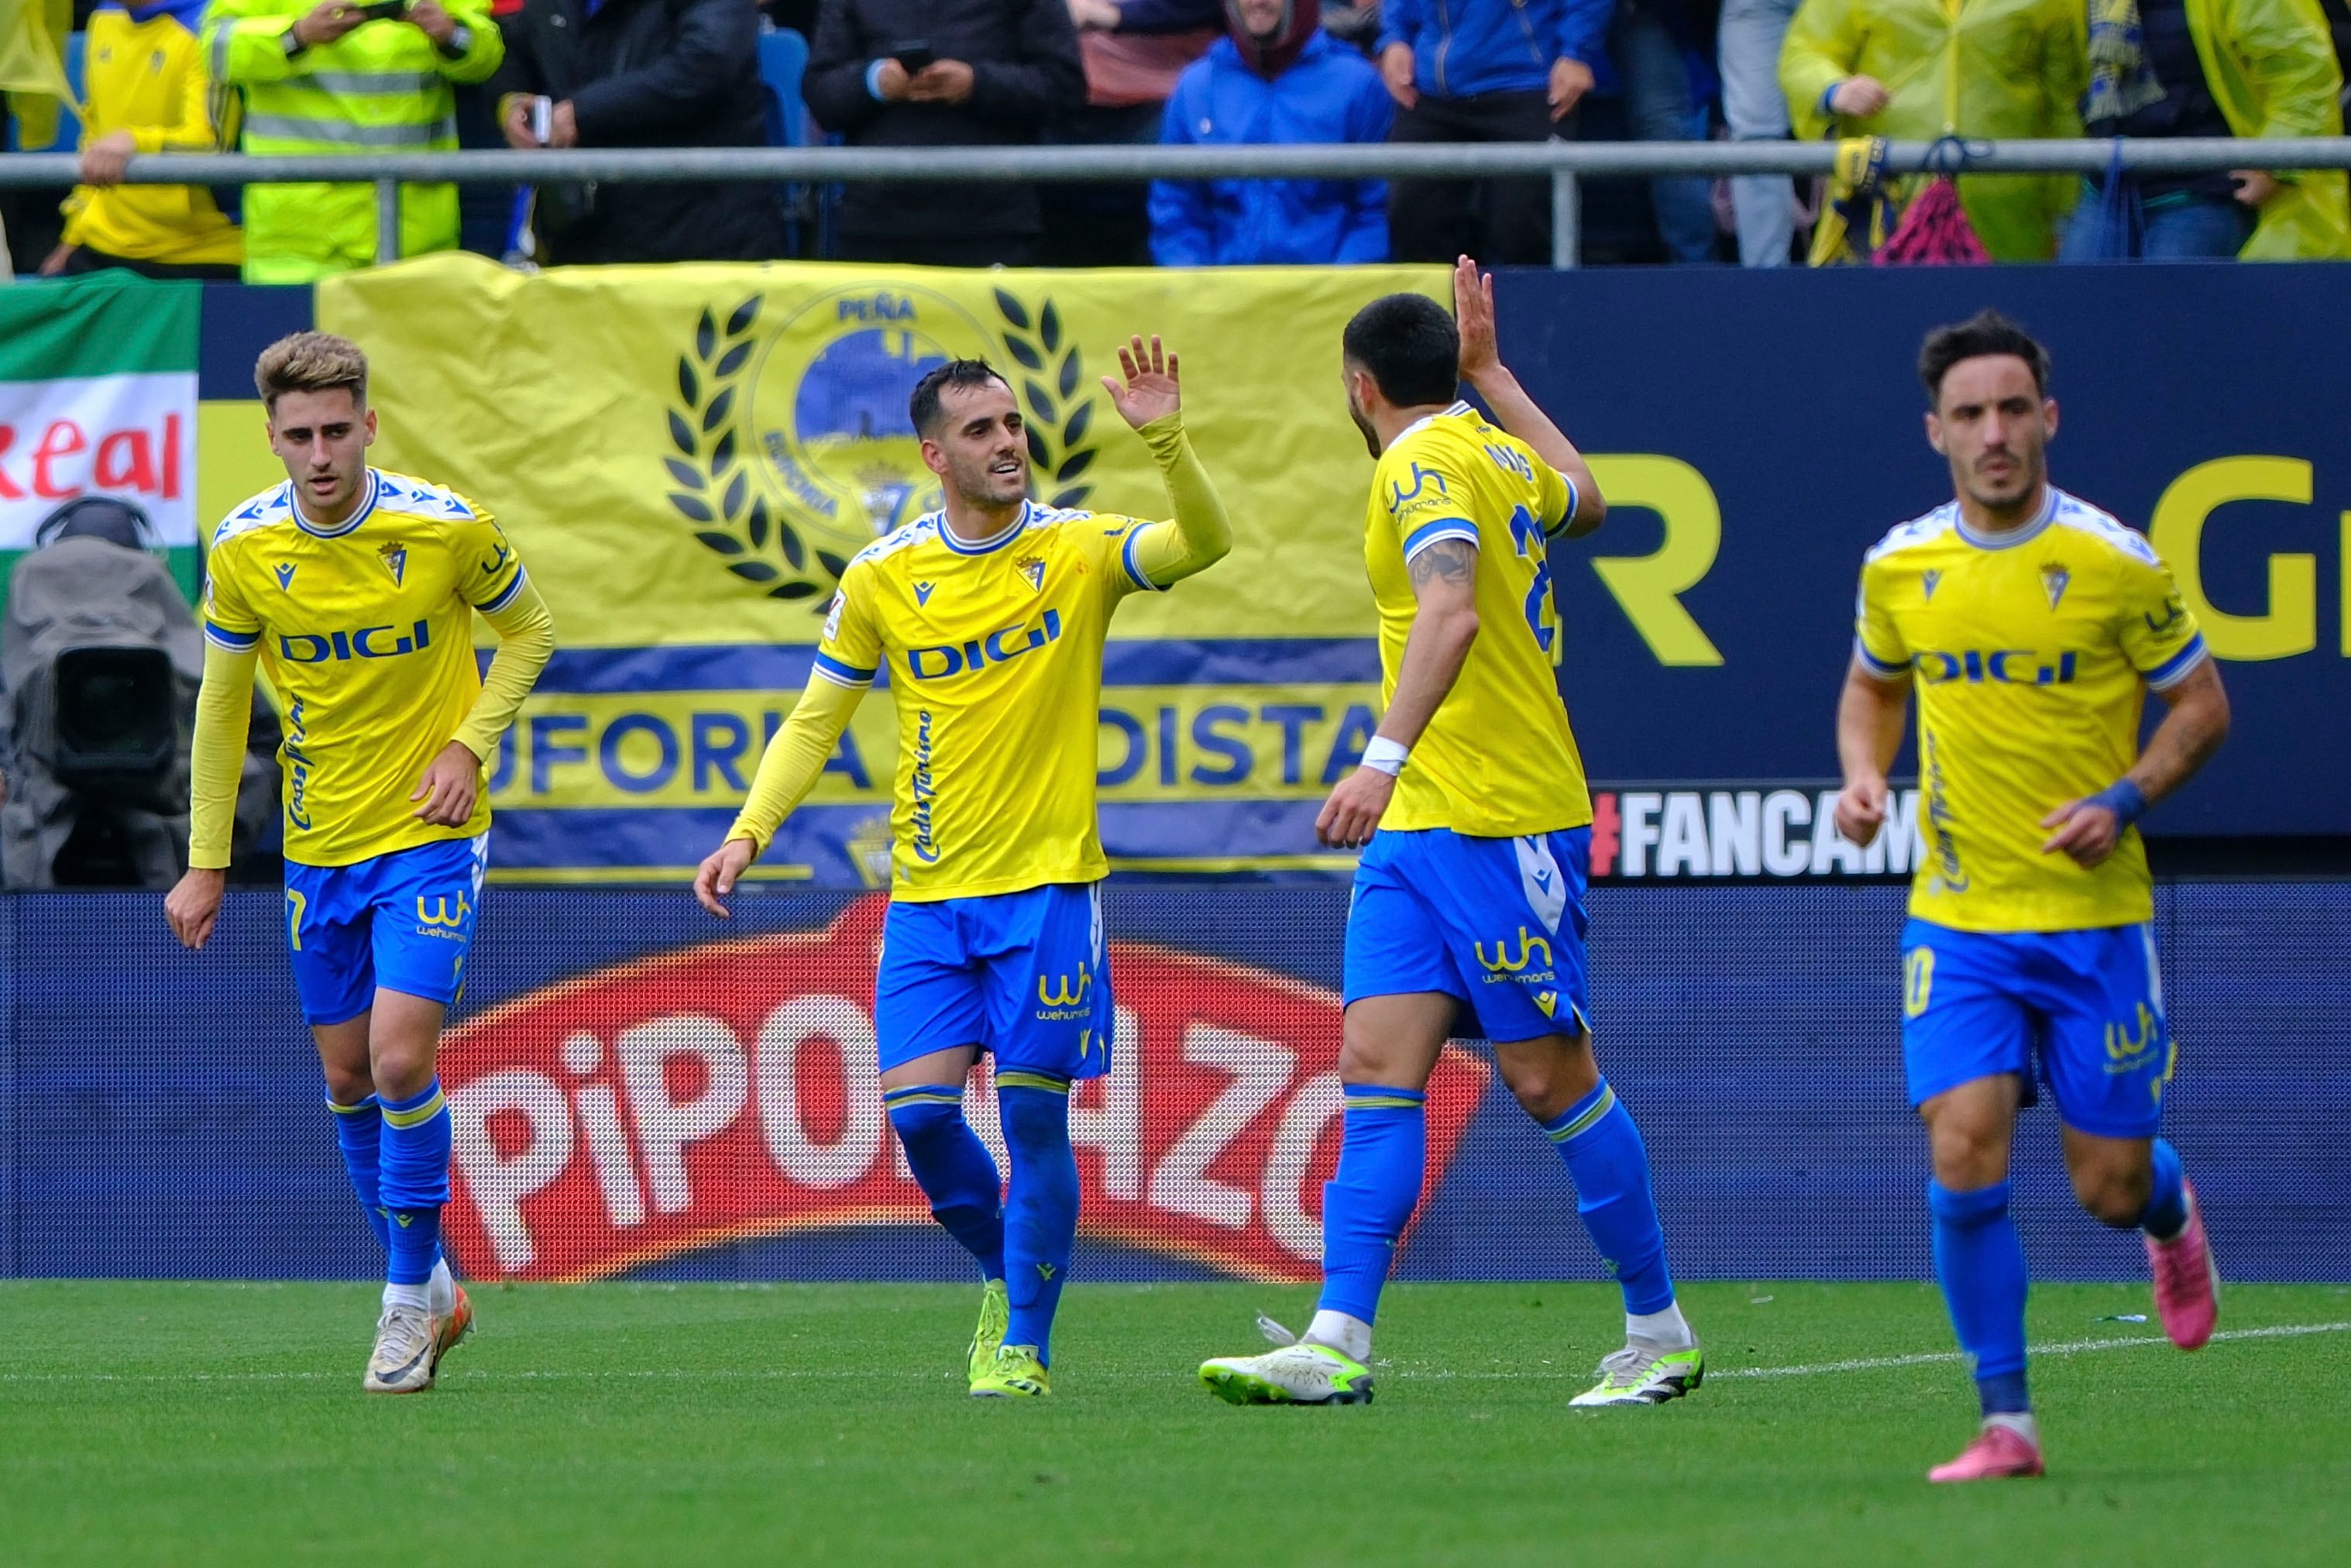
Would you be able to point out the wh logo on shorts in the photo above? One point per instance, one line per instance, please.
(1505, 963)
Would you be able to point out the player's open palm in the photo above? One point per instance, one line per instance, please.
(1150, 391)
(1473, 314)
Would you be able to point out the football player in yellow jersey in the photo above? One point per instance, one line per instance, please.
(1469, 902)
(2029, 625)
(355, 592)
(990, 615)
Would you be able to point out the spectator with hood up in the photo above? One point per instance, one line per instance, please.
(1278, 79)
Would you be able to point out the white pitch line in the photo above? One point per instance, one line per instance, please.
(2069, 1347)
(786, 1375)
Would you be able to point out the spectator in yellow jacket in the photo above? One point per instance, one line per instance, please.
(2211, 68)
(334, 77)
(1917, 69)
(146, 92)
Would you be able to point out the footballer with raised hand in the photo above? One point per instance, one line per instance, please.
(990, 615)
(2031, 625)
(1472, 803)
(354, 590)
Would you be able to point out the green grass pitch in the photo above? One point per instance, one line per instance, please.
(209, 1423)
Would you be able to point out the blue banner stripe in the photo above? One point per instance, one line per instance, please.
(1171, 662)
(624, 837)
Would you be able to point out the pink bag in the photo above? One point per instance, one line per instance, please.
(1933, 232)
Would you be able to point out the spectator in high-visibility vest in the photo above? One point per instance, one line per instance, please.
(329, 78)
(146, 92)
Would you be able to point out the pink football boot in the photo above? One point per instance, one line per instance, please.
(2187, 1282)
(1999, 1453)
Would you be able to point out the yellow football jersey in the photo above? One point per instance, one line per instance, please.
(994, 652)
(2030, 652)
(1498, 759)
(365, 633)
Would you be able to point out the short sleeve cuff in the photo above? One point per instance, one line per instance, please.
(1126, 558)
(1428, 534)
(236, 642)
(840, 672)
(2180, 666)
(1875, 665)
(504, 596)
(1574, 505)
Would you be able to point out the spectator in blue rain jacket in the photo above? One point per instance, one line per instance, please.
(1279, 78)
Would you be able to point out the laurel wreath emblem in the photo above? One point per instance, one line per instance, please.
(715, 491)
(717, 494)
(1049, 388)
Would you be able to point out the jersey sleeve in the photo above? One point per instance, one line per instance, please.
(1114, 548)
(230, 623)
(1877, 639)
(1557, 501)
(490, 574)
(2159, 634)
(849, 652)
(1426, 501)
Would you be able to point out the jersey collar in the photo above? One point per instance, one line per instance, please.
(1460, 407)
(2012, 536)
(995, 541)
(294, 499)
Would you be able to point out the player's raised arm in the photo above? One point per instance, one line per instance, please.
(1150, 399)
(1513, 409)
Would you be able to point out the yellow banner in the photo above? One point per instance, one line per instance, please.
(687, 455)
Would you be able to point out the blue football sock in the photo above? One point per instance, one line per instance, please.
(1040, 1208)
(2166, 1215)
(1980, 1262)
(952, 1167)
(413, 1178)
(1368, 1200)
(1610, 1167)
(359, 1130)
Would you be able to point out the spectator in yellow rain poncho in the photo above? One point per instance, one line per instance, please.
(1919, 69)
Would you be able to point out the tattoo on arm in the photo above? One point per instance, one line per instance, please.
(1455, 560)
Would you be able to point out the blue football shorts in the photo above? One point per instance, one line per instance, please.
(2087, 1006)
(1023, 975)
(1497, 924)
(400, 921)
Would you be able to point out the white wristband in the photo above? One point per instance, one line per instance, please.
(1386, 756)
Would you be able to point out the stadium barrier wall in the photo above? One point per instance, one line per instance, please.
(639, 1092)
(1754, 432)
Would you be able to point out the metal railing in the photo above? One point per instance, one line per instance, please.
(1565, 162)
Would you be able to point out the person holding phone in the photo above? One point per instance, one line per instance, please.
(640, 73)
(329, 76)
(943, 73)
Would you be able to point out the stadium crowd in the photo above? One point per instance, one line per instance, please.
(341, 76)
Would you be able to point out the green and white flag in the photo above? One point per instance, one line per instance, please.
(98, 397)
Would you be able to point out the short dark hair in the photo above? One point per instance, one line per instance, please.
(1985, 333)
(923, 408)
(1410, 346)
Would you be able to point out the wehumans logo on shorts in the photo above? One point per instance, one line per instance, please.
(1505, 964)
(441, 914)
(2129, 1045)
(1059, 997)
